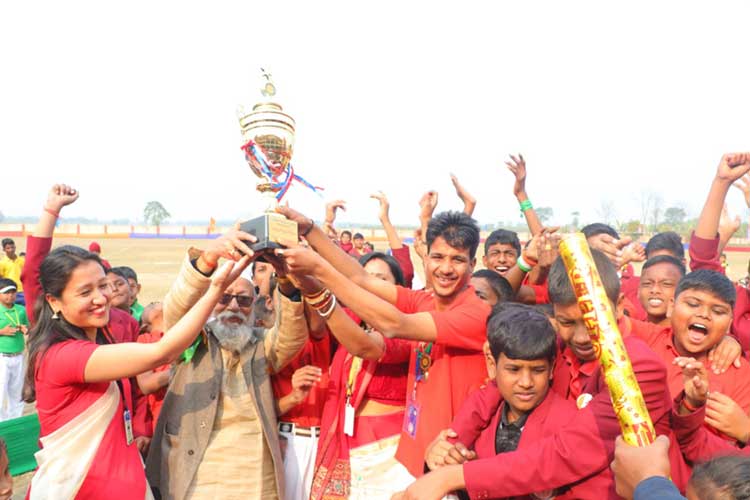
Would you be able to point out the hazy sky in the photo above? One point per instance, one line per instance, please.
(136, 101)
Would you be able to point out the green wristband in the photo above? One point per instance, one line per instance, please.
(526, 205)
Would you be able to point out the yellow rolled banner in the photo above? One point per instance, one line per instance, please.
(627, 399)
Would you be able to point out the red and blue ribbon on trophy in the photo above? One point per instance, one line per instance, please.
(281, 178)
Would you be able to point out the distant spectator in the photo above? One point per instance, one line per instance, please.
(13, 326)
(94, 247)
(358, 250)
(118, 283)
(11, 266)
(345, 242)
(153, 383)
(136, 309)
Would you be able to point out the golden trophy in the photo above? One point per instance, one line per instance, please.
(268, 135)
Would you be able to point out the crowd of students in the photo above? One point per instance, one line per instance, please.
(328, 370)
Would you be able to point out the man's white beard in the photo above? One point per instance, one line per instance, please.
(232, 336)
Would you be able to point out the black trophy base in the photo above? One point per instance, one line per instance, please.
(269, 229)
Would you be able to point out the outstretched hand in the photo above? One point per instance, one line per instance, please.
(427, 205)
(517, 166)
(59, 196)
(299, 261)
(384, 205)
(733, 166)
(728, 225)
(543, 240)
(331, 208)
(743, 184)
(633, 464)
(695, 378)
(231, 245)
(303, 223)
(469, 201)
(226, 275)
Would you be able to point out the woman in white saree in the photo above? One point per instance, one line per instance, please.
(79, 379)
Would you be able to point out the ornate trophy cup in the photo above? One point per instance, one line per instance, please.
(268, 134)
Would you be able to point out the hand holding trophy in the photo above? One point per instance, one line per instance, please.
(268, 134)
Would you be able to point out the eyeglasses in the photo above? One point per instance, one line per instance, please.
(242, 300)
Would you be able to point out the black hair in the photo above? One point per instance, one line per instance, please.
(665, 259)
(599, 228)
(457, 229)
(5, 282)
(723, 478)
(346, 231)
(502, 236)
(561, 290)
(358, 236)
(129, 273)
(8, 241)
(392, 263)
(520, 332)
(54, 274)
(545, 309)
(119, 271)
(668, 240)
(709, 281)
(501, 286)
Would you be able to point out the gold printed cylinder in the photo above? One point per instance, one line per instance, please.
(627, 399)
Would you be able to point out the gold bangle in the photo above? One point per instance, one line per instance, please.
(316, 301)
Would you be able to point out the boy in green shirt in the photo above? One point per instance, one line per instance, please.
(13, 325)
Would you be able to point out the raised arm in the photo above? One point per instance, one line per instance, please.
(39, 244)
(399, 251)
(329, 223)
(728, 225)
(469, 201)
(128, 359)
(394, 241)
(342, 262)
(517, 166)
(731, 168)
(376, 312)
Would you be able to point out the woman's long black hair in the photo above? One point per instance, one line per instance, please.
(54, 275)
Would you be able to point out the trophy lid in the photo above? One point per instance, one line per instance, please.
(266, 113)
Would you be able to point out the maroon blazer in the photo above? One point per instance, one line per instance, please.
(550, 417)
(698, 443)
(585, 446)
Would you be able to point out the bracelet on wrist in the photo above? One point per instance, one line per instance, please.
(327, 313)
(523, 265)
(529, 260)
(312, 225)
(325, 305)
(54, 214)
(688, 406)
(526, 205)
(318, 299)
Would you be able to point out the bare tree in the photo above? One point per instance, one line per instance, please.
(650, 204)
(606, 212)
(656, 211)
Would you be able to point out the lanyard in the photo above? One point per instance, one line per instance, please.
(10, 319)
(353, 372)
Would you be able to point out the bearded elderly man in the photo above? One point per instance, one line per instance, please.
(217, 432)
